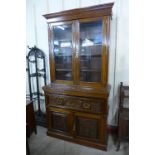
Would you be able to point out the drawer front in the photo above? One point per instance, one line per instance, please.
(78, 103)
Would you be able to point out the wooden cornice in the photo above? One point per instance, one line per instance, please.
(87, 12)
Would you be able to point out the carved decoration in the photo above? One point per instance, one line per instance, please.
(86, 105)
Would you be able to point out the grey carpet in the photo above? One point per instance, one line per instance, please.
(41, 144)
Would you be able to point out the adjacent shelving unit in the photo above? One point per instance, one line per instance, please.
(34, 57)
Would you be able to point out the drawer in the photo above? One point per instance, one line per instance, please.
(78, 103)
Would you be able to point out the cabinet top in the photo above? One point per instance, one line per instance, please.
(87, 12)
(77, 90)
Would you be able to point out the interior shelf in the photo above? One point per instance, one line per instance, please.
(63, 55)
(64, 70)
(92, 55)
(91, 45)
(90, 70)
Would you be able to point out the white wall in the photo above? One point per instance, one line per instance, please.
(118, 62)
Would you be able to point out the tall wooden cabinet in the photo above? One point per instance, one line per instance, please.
(77, 97)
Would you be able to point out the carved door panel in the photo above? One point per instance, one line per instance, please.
(88, 126)
(60, 121)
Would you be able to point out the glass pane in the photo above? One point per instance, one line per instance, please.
(63, 51)
(90, 51)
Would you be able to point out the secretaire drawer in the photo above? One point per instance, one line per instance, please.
(78, 103)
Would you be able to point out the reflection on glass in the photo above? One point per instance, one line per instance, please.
(63, 51)
(90, 51)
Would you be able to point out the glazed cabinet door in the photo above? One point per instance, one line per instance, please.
(92, 51)
(60, 121)
(79, 51)
(61, 51)
(90, 127)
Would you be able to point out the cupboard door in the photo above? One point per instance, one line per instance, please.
(62, 51)
(90, 127)
(90, 50)
(60, 120)
(87, 128)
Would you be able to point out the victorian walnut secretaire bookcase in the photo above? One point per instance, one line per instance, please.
(77, 97)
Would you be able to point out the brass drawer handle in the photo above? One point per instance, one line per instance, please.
(86, 105)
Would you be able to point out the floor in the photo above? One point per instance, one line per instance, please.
(41, 144)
